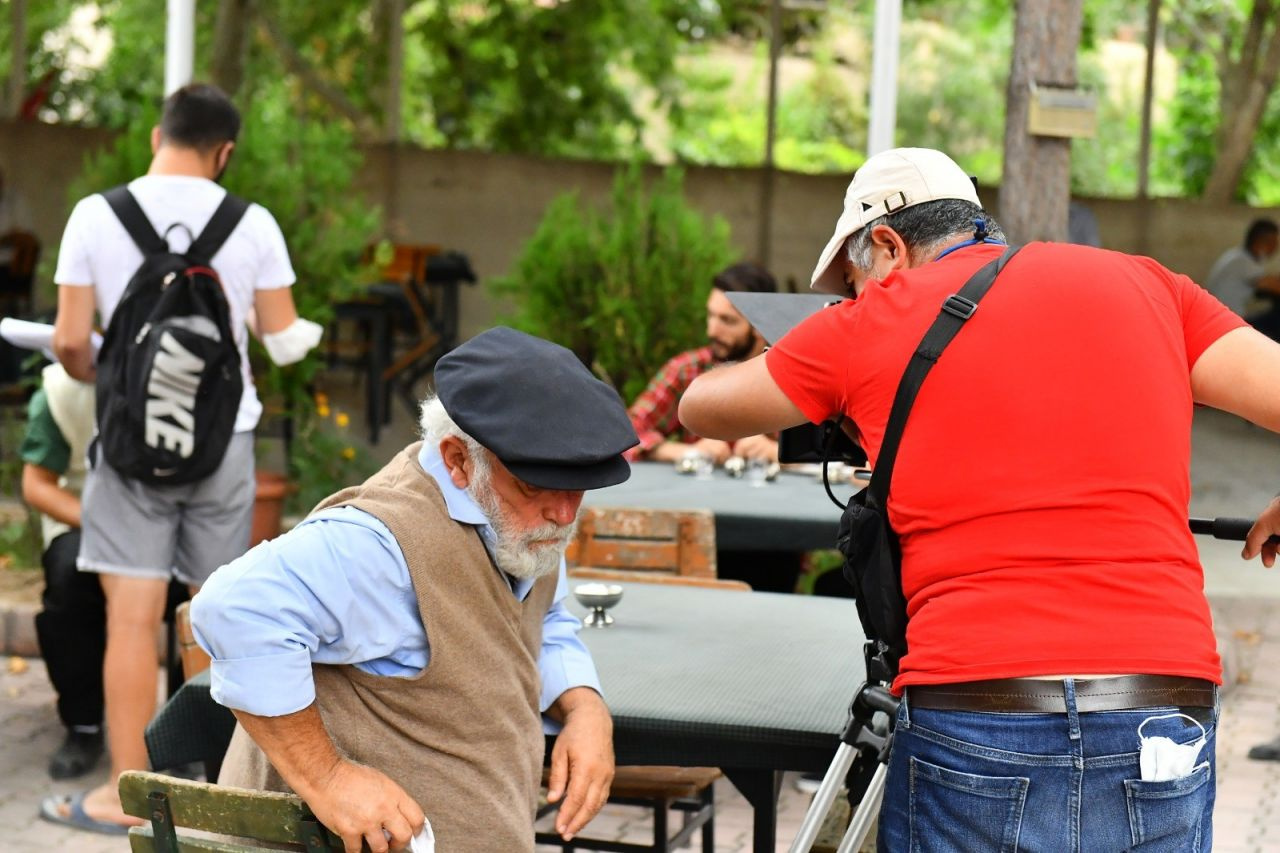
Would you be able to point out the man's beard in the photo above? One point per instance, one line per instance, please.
(735, 351)
(514, 552)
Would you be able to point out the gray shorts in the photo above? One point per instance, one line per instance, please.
(131, 528)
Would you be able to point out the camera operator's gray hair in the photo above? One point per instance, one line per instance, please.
(924, 227)
(436, 426)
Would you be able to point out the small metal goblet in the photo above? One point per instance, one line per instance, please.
(598, 597)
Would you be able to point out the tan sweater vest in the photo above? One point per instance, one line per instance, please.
(464, 736)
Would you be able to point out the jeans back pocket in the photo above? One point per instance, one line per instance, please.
(958, 811)
(1169, 816)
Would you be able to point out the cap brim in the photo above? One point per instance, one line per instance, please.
(572, 478)
(828, 276)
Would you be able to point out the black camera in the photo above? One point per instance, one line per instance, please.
(809, 442)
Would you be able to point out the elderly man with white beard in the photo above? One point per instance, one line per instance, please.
(397, 655)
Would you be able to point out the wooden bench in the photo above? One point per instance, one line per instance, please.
(196, 817)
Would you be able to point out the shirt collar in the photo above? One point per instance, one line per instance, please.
(464, 510)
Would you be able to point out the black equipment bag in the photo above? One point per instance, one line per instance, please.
(169, 380)
(872, 554)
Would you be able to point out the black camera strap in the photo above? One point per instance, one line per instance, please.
(956, 311)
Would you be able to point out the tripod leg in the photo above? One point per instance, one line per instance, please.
(823, 799)
(867, 810)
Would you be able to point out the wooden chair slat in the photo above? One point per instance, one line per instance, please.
(638, 524)
(680, 542)
(256, 815)
(631, 554)
(142, 841)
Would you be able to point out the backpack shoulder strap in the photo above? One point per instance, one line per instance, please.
(956, 310)
(129, 212)
(224, 220)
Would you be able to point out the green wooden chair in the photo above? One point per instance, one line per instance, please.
(186, 817)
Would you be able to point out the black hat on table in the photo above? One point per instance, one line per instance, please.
(536, 407)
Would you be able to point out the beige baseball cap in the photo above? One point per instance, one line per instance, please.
(886, 183)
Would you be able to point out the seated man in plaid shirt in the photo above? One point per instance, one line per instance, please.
(729, 338)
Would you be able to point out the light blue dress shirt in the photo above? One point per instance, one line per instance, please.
(336, 590)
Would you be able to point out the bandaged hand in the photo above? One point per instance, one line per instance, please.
(293, 342)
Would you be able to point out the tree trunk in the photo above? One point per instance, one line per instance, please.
(230, 44)
(1247, 83)
(395, 67)
(18, 64)
(1035, 189)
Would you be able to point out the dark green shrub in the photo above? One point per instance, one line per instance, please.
(624, 287)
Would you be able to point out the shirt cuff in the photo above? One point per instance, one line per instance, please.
(563, 669)
(270, 686)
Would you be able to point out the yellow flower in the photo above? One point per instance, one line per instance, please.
(341, 419)
(348, 453)
(322, 411)
(322, 399)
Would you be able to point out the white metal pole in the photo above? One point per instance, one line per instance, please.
(179, 44)
(884, 76)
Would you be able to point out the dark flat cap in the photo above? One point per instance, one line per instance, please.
(535, 406)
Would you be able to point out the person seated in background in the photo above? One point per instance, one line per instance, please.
(71, 626)
(1241, 283)
(729, 338)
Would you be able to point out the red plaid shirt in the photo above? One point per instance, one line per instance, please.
(653, 414)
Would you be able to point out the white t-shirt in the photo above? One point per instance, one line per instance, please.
(1233, 277)
(97, 251)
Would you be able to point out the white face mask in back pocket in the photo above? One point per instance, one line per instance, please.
(1162, 758)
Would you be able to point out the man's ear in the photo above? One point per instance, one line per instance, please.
(888, 245)
(456, 459)
(155, 139)
(223, 157)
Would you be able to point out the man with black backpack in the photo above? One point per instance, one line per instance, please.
(1058, 669)
(174, 266)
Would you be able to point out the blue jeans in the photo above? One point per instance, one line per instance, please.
(1059, 783)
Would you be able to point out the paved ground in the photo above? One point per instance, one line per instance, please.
(1234, 472)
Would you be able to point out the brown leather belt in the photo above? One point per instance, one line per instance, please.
(1034, 696)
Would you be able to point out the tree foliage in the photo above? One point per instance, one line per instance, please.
(1228, 101)
(630, 78)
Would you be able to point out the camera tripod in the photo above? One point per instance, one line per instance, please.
(861, 761)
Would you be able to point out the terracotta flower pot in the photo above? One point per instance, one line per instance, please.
(268, 506)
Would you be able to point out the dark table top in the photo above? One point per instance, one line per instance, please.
(793, 513)
(723, 678)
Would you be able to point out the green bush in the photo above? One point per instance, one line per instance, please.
(625, 287)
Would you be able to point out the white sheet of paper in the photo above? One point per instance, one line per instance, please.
(424, 841)
(38, 336)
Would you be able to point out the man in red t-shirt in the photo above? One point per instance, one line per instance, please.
(1056, 615)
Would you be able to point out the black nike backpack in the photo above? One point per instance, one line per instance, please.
(169, 380)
